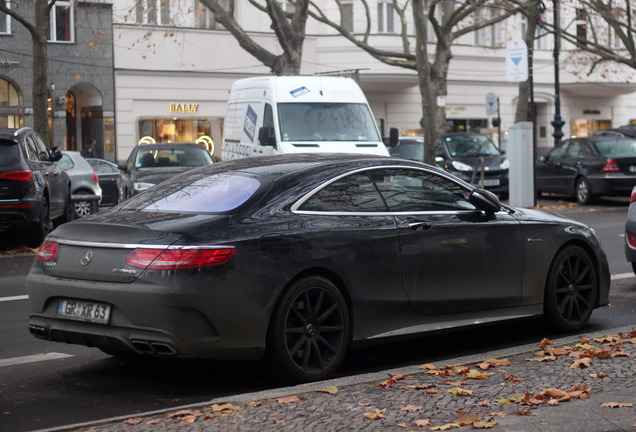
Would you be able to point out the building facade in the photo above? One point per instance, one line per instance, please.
(80, 74)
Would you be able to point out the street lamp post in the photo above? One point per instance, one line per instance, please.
(557, 122)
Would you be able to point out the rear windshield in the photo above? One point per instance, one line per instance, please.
(216, 193)
(616, 148)
(9, 153)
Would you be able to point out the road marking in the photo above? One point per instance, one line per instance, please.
(21, 297)
(33, 359)
(623, 276)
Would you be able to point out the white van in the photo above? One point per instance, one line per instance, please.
(298, 114)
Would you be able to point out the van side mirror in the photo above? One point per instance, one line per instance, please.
(394, 137)
(265, 137)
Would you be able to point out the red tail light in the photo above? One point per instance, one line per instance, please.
(633, 197)
(47, 251)
(24, 175)
(95, 176)
(631, 240)
(171, 259)
(610, 167)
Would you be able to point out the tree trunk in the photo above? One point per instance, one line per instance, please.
(429, 114)
(40, 66)
(523, 102)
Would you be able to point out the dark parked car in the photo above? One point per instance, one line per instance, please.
(109, 174)
(150, 164)
(622, 131)
(85, 188)
(297, 256)
(33, 189)
(589, 167)
(630, 231)
(474, 158)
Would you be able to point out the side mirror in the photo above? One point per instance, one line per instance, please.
(394, 137)
(265, 137)
(55, 154)
(543, 159)
(122, 167)
(485, 201)
(439, 159)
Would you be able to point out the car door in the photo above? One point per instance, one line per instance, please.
(553, 174)
(454, 258)
(108, 175)
(53, 174)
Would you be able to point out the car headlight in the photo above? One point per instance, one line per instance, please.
(505, 164)
(141, 186)
(461, 166)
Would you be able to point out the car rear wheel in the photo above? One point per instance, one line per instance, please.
(633, 267)
(570, 293)
(309, 331)
(84, 208)
(38, 231)
(583, 191)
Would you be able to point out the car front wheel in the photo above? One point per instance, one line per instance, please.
(84, 208)
(309, 331)
(570, 293)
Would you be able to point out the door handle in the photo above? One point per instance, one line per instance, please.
(417, 225)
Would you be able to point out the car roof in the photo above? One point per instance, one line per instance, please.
(11, 133)
(169, 146)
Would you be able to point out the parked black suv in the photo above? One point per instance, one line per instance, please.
(34, 190)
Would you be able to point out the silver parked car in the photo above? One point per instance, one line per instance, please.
(85, 190)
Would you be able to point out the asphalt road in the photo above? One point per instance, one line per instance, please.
(45, 384)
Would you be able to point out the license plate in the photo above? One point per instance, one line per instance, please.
(489, 182)
(84, 311)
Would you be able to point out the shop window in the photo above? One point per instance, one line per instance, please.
(206, 19)
(61, 22)
(10, 105)
(174, 130)
(386, 21)
(466, 125)
(153, 12)
(5, 21)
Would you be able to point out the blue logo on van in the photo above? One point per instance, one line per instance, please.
(299, 91)
(249, 126)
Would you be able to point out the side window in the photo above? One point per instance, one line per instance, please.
(66, 162)
(559, 151)
(406, 190)
(31, 148)
(354, 193)
(575, 150)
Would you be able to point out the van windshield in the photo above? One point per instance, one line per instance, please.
(326, 122)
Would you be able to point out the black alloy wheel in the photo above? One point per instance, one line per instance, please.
(309, 331)
(38, 231)
(571, 289)
(583, 191)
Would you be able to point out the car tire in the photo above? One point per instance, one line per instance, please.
(309, 331)
(38, 231)
(84, 208)
(571, 290)
(633, 267)
(69, 212)
(583, 191)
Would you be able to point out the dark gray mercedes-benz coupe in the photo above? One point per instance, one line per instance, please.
(295, 258)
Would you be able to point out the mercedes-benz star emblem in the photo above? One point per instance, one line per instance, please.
(87, 257)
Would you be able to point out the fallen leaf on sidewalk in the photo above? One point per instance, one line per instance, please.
(133, 421)
(491, 363)
(524, 413)
(423, 422)
(485, 424)
(402, 425)
(447, 426)
(475, 374)
(598, 375)
(617, 405)
(288, 399)
(377, 415)
(513, 379)
(460, 391)
(224, 407)
(411, 408)
(330, 390)
(466, 419)
(420, 387)
(427, 366)
(497, 414)
(581, 363)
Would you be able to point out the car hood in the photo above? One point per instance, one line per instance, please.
(110, 236)
(156, 176)
(491, 162)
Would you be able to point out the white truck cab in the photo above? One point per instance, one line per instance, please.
(272, 115)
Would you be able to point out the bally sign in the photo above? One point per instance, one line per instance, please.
(184, 107)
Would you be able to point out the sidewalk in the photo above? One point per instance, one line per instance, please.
(562, 389)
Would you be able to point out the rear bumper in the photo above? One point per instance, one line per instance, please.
(613, 185)
(18, 216)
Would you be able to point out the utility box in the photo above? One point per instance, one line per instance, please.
(521, 156)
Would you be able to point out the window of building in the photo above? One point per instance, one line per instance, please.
(61, 22)
(10, 106)
(174, 130)
(466, 125)
(5, 21)
(206, 19)
(153, 12)
(386, 17)
(581, 25)
(346, 18)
